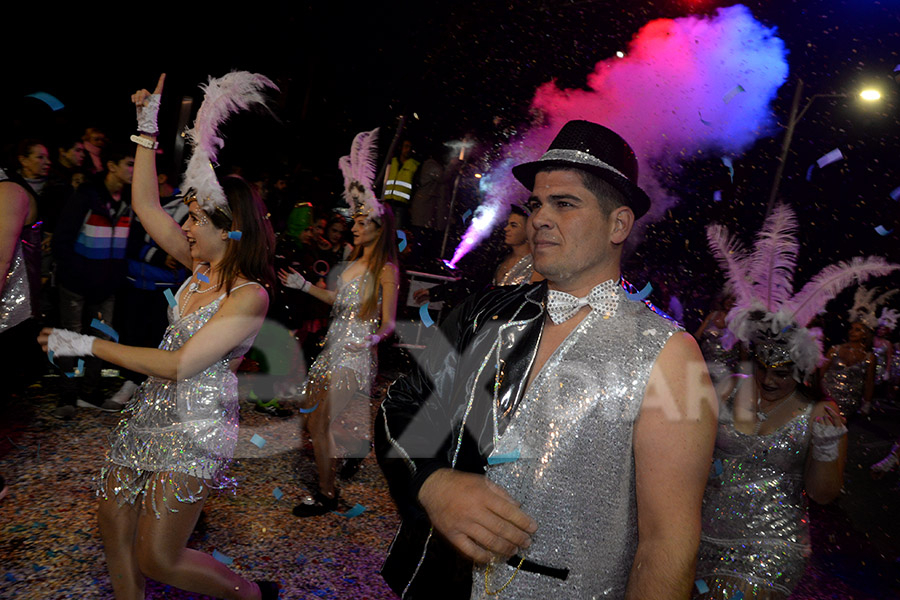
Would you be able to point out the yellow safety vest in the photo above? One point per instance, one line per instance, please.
(398, 186)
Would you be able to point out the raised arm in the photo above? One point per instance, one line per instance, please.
(239, 317)
(145, 187)
(673, 443)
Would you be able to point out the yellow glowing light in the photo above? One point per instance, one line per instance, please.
(870, 95)
(477, 175)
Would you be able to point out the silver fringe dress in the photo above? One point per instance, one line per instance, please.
(755, 527)
(177, 430)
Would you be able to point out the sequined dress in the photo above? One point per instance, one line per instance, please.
(567, 456)
(520, 272)
(346, 326)
(755, 527)
(845, 383)
(175, 429)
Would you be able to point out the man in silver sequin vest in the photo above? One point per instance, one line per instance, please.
(557, 440)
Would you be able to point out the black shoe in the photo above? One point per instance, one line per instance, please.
(272, 409)
(268, 589)
(99, 404)
(350, 468)
(317, 505)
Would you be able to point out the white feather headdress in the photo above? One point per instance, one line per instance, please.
(358, 169)
(865, 306)
(767, 312)
(224, 96)
(889, 318)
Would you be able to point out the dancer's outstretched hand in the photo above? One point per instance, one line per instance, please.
(147, 106)
(476, 515)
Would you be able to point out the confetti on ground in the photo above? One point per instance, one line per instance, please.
(734, 92)
(278, 494)
(226, 560)
(425, 315)
(104, 328)
(830, 157)
(701, 586)
(258, 440)
(170, 298)
(353, 512)
(498, 459)
(641, 295)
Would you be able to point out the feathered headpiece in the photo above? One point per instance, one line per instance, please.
(767, 313)
(865, 306)
(224, 96)
(889, 318)
(358, 169)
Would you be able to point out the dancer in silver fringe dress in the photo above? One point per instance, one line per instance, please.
(848, 375)
(774, 447)
(181, 425)
(364, 313)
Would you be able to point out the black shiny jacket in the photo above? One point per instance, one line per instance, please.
(489, 341)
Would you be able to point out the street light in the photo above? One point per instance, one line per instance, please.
(795, 116)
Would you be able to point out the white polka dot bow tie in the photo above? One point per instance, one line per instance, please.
(562, 306)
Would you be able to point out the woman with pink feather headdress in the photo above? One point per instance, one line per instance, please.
(181, 427)
(364, 311)
(775, 445)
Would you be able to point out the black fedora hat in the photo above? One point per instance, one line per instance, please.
(598, 150)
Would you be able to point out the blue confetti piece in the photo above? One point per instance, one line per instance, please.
(48, 99)
(104, 328)
(258, 440)
(726, 160)
(702, 120)
(10, 578)
(641, 295)
(50, 357)
(466, 215)
(306, 411)
(353, 512)
(895, 194)
(830, 157)
(717, 467)
(300, 560)
(737, 596)
(401, 235)
(320, 592)
(327, 560)
(79, 369)
(225, 560)
(425, 316)
(734, 92)
(278, 494)
(170, 298)
(498, 459)
(717, 196)
(235, 235)
(701, 586)
(882, 231)
(809, 172)
(202, 277)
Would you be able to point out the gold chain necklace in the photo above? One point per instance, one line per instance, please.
(487, 573)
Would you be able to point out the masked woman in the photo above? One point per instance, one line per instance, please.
(181, 426)
(775, 445)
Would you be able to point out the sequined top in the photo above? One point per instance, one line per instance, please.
(720, 361)
(179, 427)
(755, 527)
(845, 383)
(347, 326)
(574, 466)
(880, 350)
(520, 272)
(22, 287)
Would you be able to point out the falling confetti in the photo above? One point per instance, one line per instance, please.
(104, 328)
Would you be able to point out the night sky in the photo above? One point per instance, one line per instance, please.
(473, 67)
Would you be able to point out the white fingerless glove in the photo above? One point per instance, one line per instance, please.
(63, 342)
(826, 441)
(297, 281)
(146, 115)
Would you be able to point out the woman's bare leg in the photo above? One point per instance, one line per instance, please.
(118, 528)
(162, 553)
(330, 400)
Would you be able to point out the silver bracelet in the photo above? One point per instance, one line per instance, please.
(145, 142)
